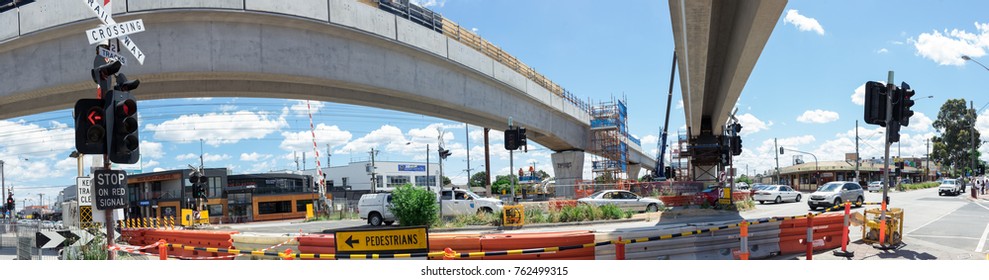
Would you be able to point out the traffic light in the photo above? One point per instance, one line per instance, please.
(905, 96)
(875, 103)
(443, 153)
(894, 132)
(736, 145)
(522, 139)
(511, 139)
(668, 172)
(781, 150)
(90, 127)
(124, 141)
(10, 203)
(101, 74)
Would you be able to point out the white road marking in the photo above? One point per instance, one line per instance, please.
(982, 242)
(934, 220)
(943, 236)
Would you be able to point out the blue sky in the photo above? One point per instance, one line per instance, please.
(802, 91)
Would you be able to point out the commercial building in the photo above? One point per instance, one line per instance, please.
(356, 176)
(808, 176)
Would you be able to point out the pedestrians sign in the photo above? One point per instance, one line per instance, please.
(111, 31)
(84, 189)
(102, 11)
(394, 240)
(111, 189)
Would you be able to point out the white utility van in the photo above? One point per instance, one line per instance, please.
(374, 207)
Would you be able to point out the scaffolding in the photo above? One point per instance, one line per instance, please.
(609, 141)
(680, 160)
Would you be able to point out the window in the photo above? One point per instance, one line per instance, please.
(239, 198)
(422, 181)
(344, 181)
(300, 205)
(275, 207)
(379, 182)
(215, 210)
(215, 189)
(461, 196)
(396, 181)
(447, 195)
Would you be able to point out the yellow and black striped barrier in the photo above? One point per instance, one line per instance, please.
(468, 255)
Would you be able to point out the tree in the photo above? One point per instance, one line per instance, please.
(446, 180)
(542, 175)
(953, 147)
(744, 178)
(477, 180)
(503, 182)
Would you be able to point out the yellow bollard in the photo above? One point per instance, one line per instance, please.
(130, 223)
(158, 223)
(171, 222)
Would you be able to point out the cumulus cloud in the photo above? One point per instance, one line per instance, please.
(186, 157)
(430, 3)
(325, 135)
(882, 51)
(218, 128)
(802, 22)
(214, 158)
(254, 156)
(920, 122)
(818, 116)
(948, 47)
(751, 124)
(151, 149)
(858, 96)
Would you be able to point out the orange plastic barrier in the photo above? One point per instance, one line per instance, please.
(461, 243)
(827, 226)
(317, 244)
(197, 238)
(679, 200)
(515, 241)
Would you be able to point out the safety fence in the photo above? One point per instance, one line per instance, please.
(742, 240)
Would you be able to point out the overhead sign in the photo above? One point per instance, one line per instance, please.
(393, 240)
(111, 189)
(110, 31)
(84, 189)
(103, 14)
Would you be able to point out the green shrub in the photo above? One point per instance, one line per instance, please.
(94, 250)
(414, 206)
(611, 212)
(535, 216)
(743, 205)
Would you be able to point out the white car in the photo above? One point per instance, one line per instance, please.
(949, 186)
(375, 208)
(459, 202)
(623, 199)
(876, 186)
(777, 194)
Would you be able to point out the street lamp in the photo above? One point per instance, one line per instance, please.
(965, 57)
(817, 168)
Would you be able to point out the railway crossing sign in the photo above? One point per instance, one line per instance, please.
(102, 10)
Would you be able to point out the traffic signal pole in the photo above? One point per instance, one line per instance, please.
(889, 123)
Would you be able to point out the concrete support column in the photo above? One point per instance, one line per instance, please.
(633, 171)
(568, 167)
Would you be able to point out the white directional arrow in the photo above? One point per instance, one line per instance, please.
(84, 237)
(103, 13)
(49, 239)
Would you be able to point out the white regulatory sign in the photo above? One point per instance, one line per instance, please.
(110, 54)
(103, 14)
(84, 189)
(106, 32)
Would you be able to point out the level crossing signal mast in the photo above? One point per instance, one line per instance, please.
(198, 181)
(875, 107)
(108, 125)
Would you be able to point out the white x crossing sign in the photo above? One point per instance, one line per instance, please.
(102, 10)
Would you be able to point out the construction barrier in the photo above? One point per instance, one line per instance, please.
(500, 242)
(464, 243)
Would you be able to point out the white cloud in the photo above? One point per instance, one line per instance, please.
(186, 157)
(254, 156)
(920, 122)
(803, 23)
(158, 169)
(218, 128)
(20, 138)
(227, 108)
(947, 48)
(387, 135)
(858, 96)
(325, 135)
(213, 158)
(151, 150)
(818, 116)
(303, 108)
(649, 141)
(429, 3)
(751, 124)
(882, 51)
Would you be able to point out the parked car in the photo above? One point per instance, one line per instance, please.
(374, 207)
(777, 194)
(623, 199)
(755, 188)
(949, 186)
(835, 193)
(876, 186)
(458, 202)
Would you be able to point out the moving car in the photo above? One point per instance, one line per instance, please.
(876, 186)
(777, 194)
(949, 186)
(623, 199)
(458, 202)
(375, 208)
(835, 193)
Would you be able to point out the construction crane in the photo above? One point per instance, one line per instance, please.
(658, 174)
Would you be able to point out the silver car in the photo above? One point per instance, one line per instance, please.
(623, 199)
(835, 193)
(876, 186)
(777, 194)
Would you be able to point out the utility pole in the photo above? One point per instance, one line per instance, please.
(857, 175)
(777, 152)
(200, 155)
(3, 190)
(467, 136)
(971, 135)
(303, 160)
(328, 155)
(41, 201)
(927, 171)
(487, 162)
(428, 181)
(296, 155)
(374, 174)
(889, 121)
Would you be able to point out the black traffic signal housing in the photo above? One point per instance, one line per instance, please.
(894, 131)
(511, 139)
(444, 153)
(736, 145)
(668, 172)
(124, 146)
(905, 97)
(522, 139)
(875, 103)
(10, 203)
(90, 126)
